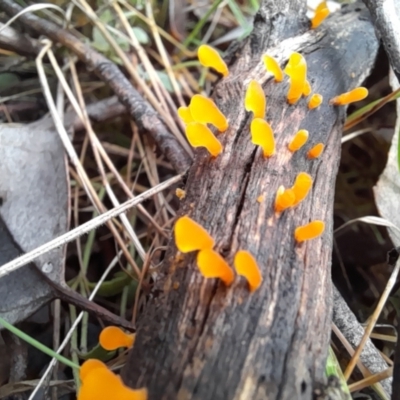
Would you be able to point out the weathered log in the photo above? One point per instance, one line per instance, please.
(200, 340)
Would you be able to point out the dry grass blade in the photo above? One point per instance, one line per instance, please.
(74, 157)
(371, 380)
(373, 319)
(74, 326)
(86, 227)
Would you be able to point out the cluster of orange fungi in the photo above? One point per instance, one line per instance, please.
(191, 236)
(100, 383)
(202, 111)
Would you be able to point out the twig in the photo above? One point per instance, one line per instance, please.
(74, 325)
(84, 228)
(12, 40)
(139, 109)
(374, 317)
(385, 18)
(349, 327)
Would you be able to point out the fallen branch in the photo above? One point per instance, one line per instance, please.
(200, 340)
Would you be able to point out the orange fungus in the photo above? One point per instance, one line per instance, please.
(354, 95)
(212, 265)
(199, 135)
(88, 366)
(296, 68)
(255, 99)
(185, 115)
(321, 12)
(209, 57)
(316, 151)
(246, 266)
(112, 338)
(263, 136)
(103, 384)
(298, 141)
(180, 193)
(285, 198)
(315, 101)
(205, 111)
(301, 187)
(273, 67)
(190, 236)
(309, 231)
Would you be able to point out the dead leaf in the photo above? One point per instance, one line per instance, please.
(34, 206)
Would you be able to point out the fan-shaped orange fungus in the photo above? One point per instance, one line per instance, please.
(205, 111)
(199, 135)
(285, 198)
(263, 136)
(296, 68)
(112, 338)
(354, 95)
(103, 384)
(321, 12)
(246, 266)
(272, 66)
(185, 115)
(88, 366)
(212, 265)
(302, 185)
(306, 89)
(209, 57)
(191, 236)
(315, 101)
(309, 231)
(298, 141)
(255, 99)
(316, 151)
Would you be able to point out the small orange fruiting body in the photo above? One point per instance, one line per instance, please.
(321, 12)
(306, 89)
(212, 265)
(298, 141)
(284, 199)
(309, 231)
(315, 101)
(102, 384)
(263, 136)
(205, 111)
(302, 185)
(296, 68)
(273, 67)
(209, 57)
(246, 266)
(354, 95)
(191, 236)
(180, 193)
(260, 198)
(316, 151)
(185, 115)
(112, 338)
(88, 366)
(199, 135)
(255, 99)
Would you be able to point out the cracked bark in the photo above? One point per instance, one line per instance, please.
(200, 340)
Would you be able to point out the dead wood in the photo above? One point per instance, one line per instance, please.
(140, 110)
(200, 340)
